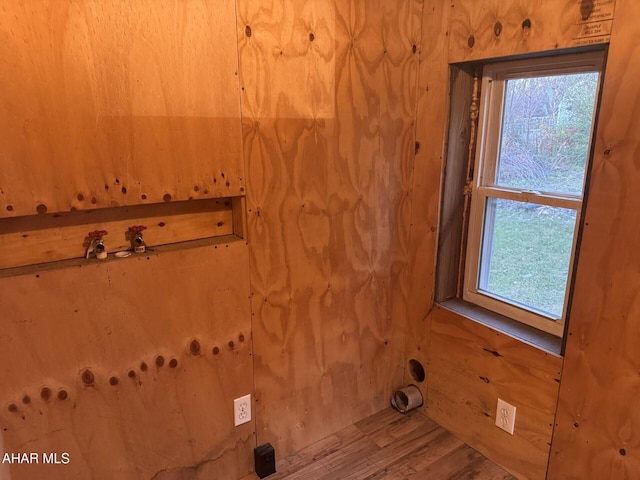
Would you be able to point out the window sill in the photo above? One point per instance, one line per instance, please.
(536, 338)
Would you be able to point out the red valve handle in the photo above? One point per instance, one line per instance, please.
(137, 228)
(98, 233)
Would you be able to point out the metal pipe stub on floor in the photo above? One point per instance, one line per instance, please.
(407, 398)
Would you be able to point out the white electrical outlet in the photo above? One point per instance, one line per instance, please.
(242, 410)
(505, 416)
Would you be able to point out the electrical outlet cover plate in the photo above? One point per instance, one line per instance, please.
(505, 416)
(242, 410)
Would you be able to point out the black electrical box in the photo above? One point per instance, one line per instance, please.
(265, 457)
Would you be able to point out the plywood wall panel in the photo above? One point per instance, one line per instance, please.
(329, 95)
(130, 321)
(495, 28)
(431, 125)
(471, 367)
(108, 103)
(598, 424)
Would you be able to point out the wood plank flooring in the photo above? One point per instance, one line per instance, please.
(390, 446)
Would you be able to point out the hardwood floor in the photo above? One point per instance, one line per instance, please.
(388, 445)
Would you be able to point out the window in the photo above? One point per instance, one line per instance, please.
(534, 142)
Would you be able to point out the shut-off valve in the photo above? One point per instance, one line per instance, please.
(96, 245)
(137, 242)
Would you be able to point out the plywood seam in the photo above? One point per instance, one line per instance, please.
(245, 223)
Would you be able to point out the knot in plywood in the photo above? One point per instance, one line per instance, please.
(87, 377)
(497, 29)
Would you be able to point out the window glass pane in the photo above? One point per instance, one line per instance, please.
(546, 129)
(526, 253)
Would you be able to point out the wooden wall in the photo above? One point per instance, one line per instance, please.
(112, 102)
(115, 113)
(120, 105)
(598, 424)
(469, 366)
(114, 364)
(329, 95)
(331, 117)
(431, 127)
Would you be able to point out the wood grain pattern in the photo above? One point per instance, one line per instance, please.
(431, 127)
(110, 102)
(392, 446)
(598, 423)
(29, 240)
(328, 105)
(497, 28)
(162, 420)
(470, 367)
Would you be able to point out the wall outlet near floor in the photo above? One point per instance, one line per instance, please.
(505, 416)
(242, 410)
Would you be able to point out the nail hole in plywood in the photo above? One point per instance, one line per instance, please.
(416, 370)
